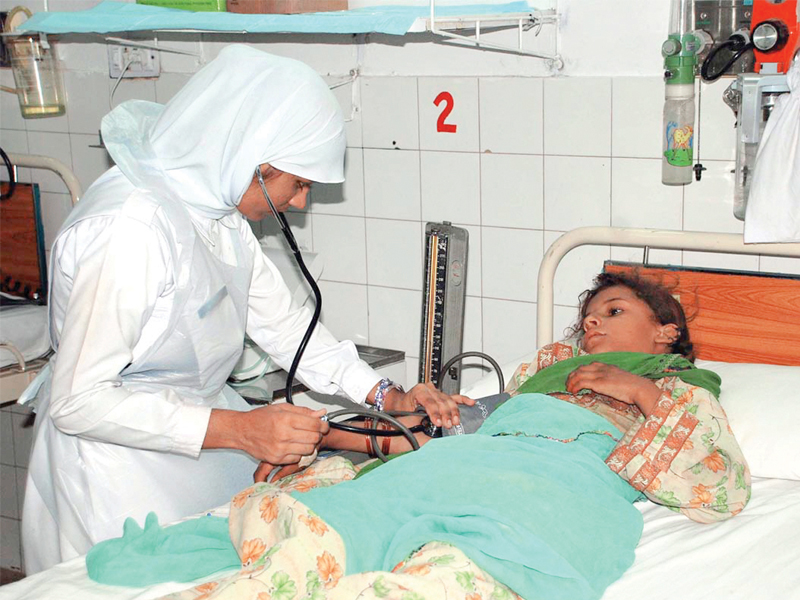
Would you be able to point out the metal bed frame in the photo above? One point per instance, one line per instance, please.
(637, 238)
(15, 378)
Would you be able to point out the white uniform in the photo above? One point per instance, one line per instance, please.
(153, 287)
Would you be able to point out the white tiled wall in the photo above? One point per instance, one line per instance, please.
(530, 158)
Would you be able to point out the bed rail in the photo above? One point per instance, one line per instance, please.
(15, 378)
(51, 164)
(637, 238)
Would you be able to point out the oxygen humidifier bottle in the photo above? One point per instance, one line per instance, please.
(678, 134)
(680, 51)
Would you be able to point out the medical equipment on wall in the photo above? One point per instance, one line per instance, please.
(753, 39)
(775, 34)
(680, 51)
(443, 296)
(37, 74)
(775, 37)
(752, 98)
(720, 19)
(759, 36)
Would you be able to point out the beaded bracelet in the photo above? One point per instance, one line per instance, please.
(384, 385)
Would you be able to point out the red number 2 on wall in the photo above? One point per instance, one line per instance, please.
(441, 126)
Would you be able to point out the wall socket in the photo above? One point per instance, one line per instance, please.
(144, 62)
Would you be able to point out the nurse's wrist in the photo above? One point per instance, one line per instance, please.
(223, 429)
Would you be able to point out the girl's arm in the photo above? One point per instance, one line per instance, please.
(685, 456)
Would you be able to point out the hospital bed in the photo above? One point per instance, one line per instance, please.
(24, 339)
(755, 554)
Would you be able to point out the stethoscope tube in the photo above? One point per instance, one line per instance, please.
(474, 354)
(287, 233)
(389, 417)
(372, 432)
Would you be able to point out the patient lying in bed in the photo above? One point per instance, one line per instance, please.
(537, 503)
(677, 448)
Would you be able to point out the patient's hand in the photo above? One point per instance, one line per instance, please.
(264, 469)
(442, 408)
(617, 383)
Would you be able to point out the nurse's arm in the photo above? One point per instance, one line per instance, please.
(279, 434)
(277, 325)
(108, 273)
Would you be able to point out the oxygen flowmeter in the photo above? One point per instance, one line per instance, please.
(680, 51)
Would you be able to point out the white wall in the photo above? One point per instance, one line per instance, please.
(534, 155)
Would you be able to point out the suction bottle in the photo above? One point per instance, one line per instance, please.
(37, 73)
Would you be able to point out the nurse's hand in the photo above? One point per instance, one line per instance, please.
(279, 434)
(441, 408)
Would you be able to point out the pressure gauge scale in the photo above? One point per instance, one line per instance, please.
(443, 297)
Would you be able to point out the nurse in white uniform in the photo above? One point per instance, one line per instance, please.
(156, 277)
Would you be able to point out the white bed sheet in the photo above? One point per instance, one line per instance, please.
(754, 555)
(26, 328)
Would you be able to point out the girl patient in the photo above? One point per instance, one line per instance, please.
(538, 502)
(675, 448)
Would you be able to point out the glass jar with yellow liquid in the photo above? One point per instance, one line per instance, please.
(37, 77)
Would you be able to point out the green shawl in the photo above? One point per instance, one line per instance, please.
(652, 366)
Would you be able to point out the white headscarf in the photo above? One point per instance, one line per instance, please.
(245, 108)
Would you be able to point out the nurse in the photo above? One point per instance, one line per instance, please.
(156, 277)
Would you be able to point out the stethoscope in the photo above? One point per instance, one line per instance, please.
(391, 416)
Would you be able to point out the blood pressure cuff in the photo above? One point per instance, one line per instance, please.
(472, 417)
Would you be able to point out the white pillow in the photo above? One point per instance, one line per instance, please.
(762, 403)
(763, 409)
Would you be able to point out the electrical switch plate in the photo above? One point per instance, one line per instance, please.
(140, 62)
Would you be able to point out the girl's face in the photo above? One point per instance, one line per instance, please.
(617, 321)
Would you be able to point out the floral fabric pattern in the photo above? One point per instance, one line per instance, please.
(683, 456)
(289, 553)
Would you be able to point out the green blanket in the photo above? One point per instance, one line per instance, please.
(652, 366)
(547, 518)
(181, 552)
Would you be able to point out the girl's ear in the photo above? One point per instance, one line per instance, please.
(667, 334)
